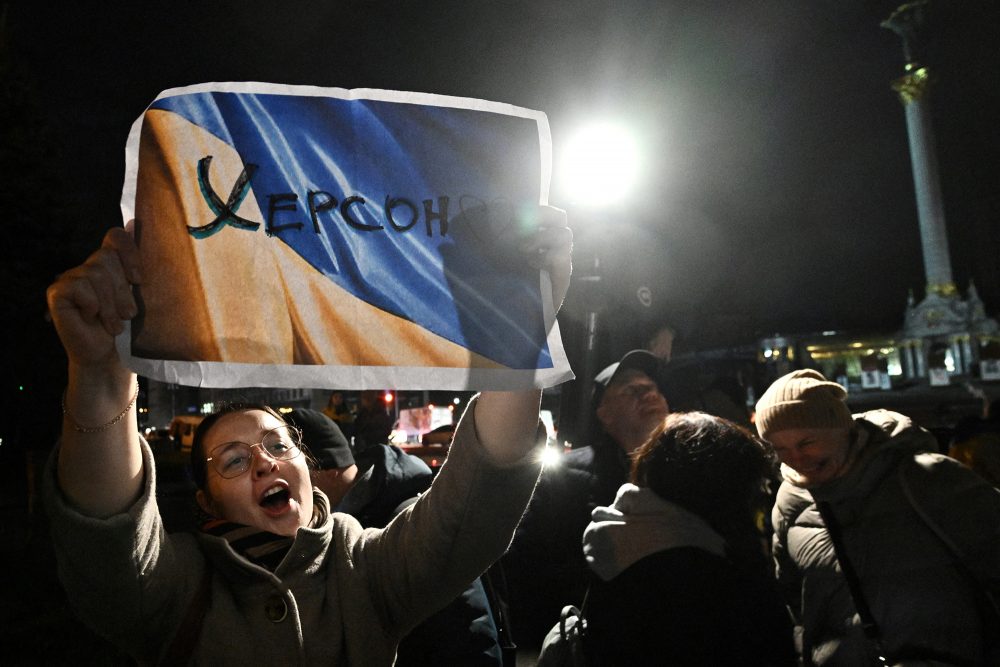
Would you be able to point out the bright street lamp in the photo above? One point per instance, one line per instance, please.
(598, 171)
(600, 164)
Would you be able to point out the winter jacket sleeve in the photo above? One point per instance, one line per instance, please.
(810, 582)
(545, 568)
(124, 576)
(429, 553)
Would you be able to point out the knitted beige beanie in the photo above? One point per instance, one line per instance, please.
(802, 399)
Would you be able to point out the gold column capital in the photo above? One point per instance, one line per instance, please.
(942, 289)
(913, 85)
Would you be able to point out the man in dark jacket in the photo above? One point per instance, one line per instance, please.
(388, 481)
(544, 567)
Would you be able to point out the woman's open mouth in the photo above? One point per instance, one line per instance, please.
(275, 500)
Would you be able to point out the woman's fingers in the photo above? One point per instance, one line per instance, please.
(550, 248)
(108, 279)
(90, 303)
(551, 238)
(114, 270)
(120, 240)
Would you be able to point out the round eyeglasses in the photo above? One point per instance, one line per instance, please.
(232, 459)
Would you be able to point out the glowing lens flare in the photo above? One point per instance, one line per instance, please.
(551, 456)
(600, 164)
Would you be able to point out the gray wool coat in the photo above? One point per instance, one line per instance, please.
(350, 593)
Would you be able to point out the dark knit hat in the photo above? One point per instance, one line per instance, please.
(802, 399)
(323, 437)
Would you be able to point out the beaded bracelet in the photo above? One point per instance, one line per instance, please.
(103, 427)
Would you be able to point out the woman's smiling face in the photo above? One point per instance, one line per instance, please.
(818, 455)
(272, 495)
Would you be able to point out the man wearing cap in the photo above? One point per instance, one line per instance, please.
(865, 504)
(388, 481)
(545, 567)
(373, 492)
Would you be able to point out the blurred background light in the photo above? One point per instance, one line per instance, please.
(599, 165)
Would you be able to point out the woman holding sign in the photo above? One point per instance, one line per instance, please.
(277, 578)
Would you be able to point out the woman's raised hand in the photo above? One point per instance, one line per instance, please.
(550, 247)
(100, 461)
(90, 303)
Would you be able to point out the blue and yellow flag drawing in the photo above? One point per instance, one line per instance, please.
(300, 236)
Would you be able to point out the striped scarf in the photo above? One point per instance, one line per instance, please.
(260, 546)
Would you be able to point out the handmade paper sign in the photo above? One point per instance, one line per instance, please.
(321, 237)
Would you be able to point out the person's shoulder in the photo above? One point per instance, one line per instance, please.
(888, 421)
(958, 499)
(897, 429)
(933, 461)
(564, 478)
(581, 457)
(402, 465)
(791, 501)
(884, 423)
(575, 465)
(938, 469)
(940, 481)
(345, 528)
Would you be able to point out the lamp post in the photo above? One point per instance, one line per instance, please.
(598, 172)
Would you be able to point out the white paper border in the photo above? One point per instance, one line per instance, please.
(228, 374)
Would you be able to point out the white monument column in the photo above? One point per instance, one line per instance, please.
(942, 313)
(913, 91)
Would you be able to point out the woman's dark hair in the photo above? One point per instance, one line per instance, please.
(198, 463)
(714, 468)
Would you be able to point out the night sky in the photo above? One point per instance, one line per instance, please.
(776, 192)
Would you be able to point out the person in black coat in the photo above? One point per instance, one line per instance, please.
(544, 567)
(680, 560)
